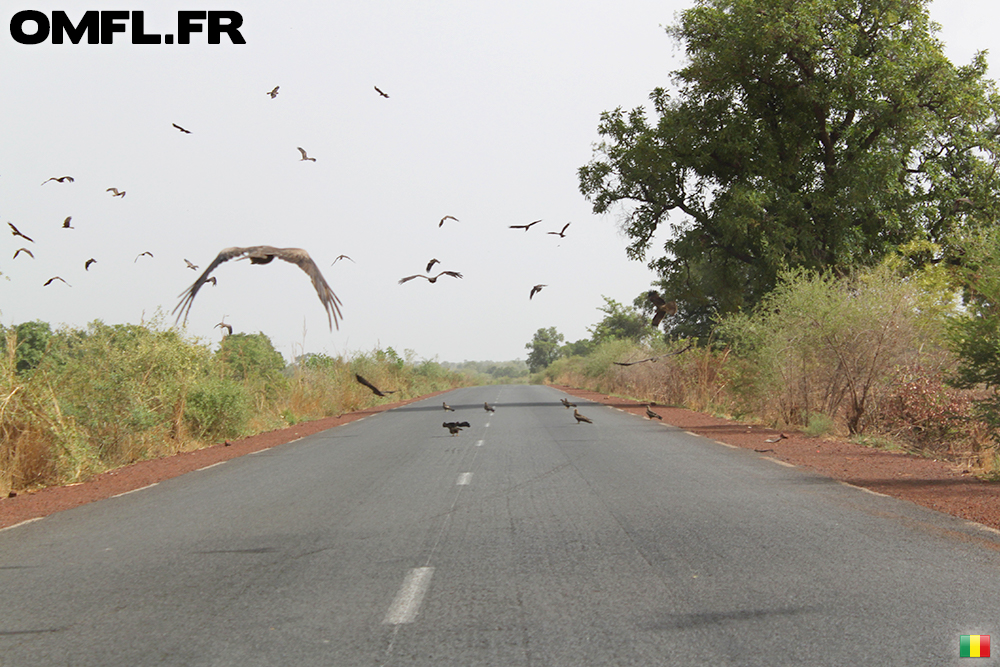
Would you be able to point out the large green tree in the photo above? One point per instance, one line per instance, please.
(801, 133)
(544, 348)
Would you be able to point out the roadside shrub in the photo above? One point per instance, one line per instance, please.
(217, 409)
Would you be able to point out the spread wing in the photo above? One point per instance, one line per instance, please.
(301, 258)
(431, 263)
(188, 295)
(453, 274)
(368, 384)
(409, 278)
(264, 254)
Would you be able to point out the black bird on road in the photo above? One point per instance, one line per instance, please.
(581, 418)
(455, 427)
(652, 415)
(447, 407)
(568, 404)
(486, 406)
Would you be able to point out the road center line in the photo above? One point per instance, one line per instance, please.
(479, 443)
(407, 603)
(464, 479)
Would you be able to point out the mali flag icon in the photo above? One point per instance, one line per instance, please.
(974, 646)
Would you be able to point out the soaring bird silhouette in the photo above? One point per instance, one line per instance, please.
(432, 279)
(59, 179)
(181, 128)
(375, 390)
(115, 193)
(140, 255)
(16, 232)
(486, 406)
(567, 403)
(381, 93)
(264, 254)
(66, 223)
(49, 281)
(193, 267)
(652, 415)
(447, 217)
(580, 418)
(304, 156)
(273, 92)
(447, 407)
(562, 233)
(340, 257)
(431, 264)
(20, 250)
(86, 265)
(663, 308)
(525, 227)
(535, 290)
(642, 361)
(455, 427)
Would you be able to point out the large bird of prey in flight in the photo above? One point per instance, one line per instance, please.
(535, 290)
(16, 232)
(525, 227)
(447, 217)
(433, 279)
(49, 281)
(562, 233)
(264, 254)
(663, 308)
(377, 90)
(115, 193)
(304, 156)
(181, 128)
(273, 93)
(58, 179)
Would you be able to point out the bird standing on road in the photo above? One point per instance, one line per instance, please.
(652, 415)
(567, 403)
(455, 427)
(447, 407)
(486, 406)
(264, 254)
(581, 418)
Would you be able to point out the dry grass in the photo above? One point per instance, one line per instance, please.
(106, 396)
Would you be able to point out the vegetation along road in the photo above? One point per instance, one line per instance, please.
(528, 538)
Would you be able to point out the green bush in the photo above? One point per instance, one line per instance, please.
(218, 408)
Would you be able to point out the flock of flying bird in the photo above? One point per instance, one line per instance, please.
(264, 254)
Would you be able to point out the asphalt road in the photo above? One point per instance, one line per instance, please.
(527, 539)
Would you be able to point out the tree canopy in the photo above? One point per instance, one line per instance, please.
(801, 133)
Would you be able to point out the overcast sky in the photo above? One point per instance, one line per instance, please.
(492, 108)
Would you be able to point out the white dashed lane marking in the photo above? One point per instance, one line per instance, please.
(407, 603)
(464, 479)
